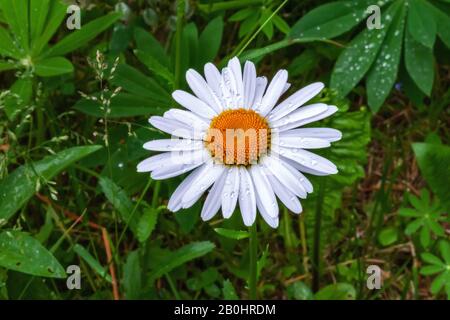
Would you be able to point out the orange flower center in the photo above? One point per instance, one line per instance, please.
(238, 137)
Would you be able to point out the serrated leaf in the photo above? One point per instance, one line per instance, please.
(21, 252)
(132, 276)
(21, 184)
(228, 291)
(383, 73)
(147, 223)
(181, 256)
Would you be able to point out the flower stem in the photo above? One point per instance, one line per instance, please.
(253, 250)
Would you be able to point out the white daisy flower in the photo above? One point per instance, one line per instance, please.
(240, 143)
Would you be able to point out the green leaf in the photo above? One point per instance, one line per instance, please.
(329, 20)
(421, 23)
(7, 46)
(444, 248)
(437, 176)
(281, 24)
(132, 276)
(443, 25)
(439, 282)
(388, 236)
(21, 252)
(429, 270)
(431, 259)
(383, 73)
(16, 15)
(338, 291)
(181, 256)
(92, 262)
(120, 201)
(232, 234)
(210, 40)
(147, 223)
(80, 37)
(241, 14)
(228, 291)
(38, 15)
(357, 58)
(53, 67)
(419, 63)
(21, 94)
(140, 85)
(123, 105)
(154, 65)
(147, 44)
(21, 185)
(55, 16)
(299, 291)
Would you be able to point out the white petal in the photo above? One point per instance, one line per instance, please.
(287, 177)
(288, 198)
(194, 104)
(330, 110)
(168, 159)
(273, 92)
(329, 134)
(230, 88)
(212, 202)
(309, 160)
(261, 84)
(176, 128)
(173, 145)
(213, 77)
(300, 114)
(201, 89)
(230, 192)
(173, 171)
(153, 162)
(175, 200)
(190, 119)
(211, 172)
(307, 185)
(273, 222)
(235, 67)
(264, 191)
(286, 88)
(247, 198)
(296, 100)
(299, 142)
(302, 168)
(249, 84)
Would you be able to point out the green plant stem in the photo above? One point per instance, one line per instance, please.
(316, 243)
(178, 34)
(253, 251)
(40, 136)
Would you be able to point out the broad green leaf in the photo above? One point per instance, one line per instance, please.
(281, 24)
(21, 94)
(132, 276)
(299, 291)
(434, 164)
(232, 234)
(189, 47)
(443, 24)
(338, 291)
(53, 67)
(329, 20)
(4, 66)
(229, 293)
(429, 270)
(123, 105)
(120, 201)
(21, 184)
(16, 15)
(21, 252)
(147, 223)
(80, 37)
(7, 46)
(210, 40)
(227, 5)
(421, 23)
(181, 256)
(92, 262)
(55, 16)
(154, 65)
(431, 259)
(268, 27)
(241, 14)
(139, 84)
(147, 44)
(388, 236)
(357, 58)
(38, 15)
(383, 73)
